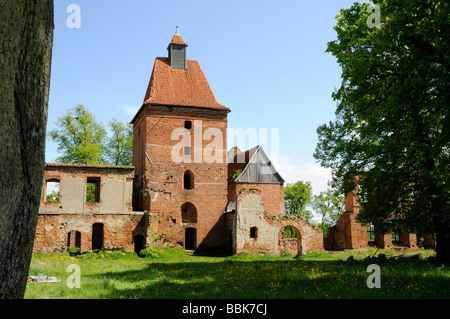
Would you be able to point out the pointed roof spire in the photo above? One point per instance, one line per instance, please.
(177, 39)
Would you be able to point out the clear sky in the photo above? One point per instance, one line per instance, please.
(265, 60)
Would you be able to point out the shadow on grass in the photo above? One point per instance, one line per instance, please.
(256, 279)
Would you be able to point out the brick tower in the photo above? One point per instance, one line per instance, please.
(179, 153)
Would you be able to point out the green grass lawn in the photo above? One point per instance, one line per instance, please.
(178, 274)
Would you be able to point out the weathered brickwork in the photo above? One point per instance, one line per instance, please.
(255, 230)
(180, 191)
(162, 178)
(272, 195)
(52, 232)
(350, 234)
(73, 215)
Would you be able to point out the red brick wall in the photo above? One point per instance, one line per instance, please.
(164, 177)
(350, 234)
(272, 195)
(72, 213)
(119, 231)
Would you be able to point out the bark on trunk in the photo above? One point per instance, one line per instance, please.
(443, 243)
(26, 39)
(442, 232)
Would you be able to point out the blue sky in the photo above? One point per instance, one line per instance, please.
(265, 60)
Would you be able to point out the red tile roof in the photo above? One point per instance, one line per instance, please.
(177, 39)
(180, 87)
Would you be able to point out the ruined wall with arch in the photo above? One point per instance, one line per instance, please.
(250, 213)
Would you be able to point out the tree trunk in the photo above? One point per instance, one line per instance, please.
(443, 242)
(26, 39)
(442, 231)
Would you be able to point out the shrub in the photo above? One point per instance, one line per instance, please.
(73, 251)
(286, 253)
(149, 252)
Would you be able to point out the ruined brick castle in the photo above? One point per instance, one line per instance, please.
(233, 203)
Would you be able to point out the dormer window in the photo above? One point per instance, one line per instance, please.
(177, 52)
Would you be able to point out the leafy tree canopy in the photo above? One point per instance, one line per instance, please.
(80, 138)
(297, 196)
(119, 147)
(329, 205)
(391, 135)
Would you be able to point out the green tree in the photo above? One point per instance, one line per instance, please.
(119, 147)
(330, 205)
(80, 138)
(53, 197)
(296, 197)
(26, 40)
(391, 135)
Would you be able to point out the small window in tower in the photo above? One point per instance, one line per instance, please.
(187, 150)
(93, 190)
(188, 180)
(254, 232)
(188, 125)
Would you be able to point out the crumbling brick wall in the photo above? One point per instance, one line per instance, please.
(250, 213)
(272, 195)
(72, 214)
(350, 234)
(119, 231)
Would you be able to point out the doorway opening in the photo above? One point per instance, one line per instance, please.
(97, 236)
(190, 238)
(138, 243)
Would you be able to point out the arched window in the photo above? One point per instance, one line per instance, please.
(188, 180)
(188, 213)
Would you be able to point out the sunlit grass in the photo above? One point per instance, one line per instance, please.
(178, 274)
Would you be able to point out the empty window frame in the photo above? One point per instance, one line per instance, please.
(52, 191)
(188, 125)
(395, 233)
(370, 232)
(93, 190)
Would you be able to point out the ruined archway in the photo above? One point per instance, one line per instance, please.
(289, 240)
